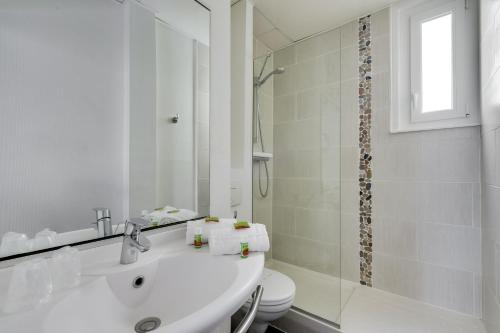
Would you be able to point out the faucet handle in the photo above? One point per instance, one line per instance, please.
(137, 224)
(102, 213)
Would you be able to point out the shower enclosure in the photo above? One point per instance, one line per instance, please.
(305, 129)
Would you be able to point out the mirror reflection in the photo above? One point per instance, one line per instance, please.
(104, 116)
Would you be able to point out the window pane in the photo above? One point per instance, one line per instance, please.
(437, 64)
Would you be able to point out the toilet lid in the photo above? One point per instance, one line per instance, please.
(278, 288)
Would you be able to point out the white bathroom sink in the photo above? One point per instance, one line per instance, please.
(187, 290)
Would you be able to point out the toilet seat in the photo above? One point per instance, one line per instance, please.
(279, 292)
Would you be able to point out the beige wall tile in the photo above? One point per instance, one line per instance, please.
(285, 57)
(395, 237)
(450, 246)
(349, 34)
(284, 248)
(349, 63)
(284, 108)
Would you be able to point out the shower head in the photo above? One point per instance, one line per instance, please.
(279, 70)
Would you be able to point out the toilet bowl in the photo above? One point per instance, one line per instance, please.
(279, 292)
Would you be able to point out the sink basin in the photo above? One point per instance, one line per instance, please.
(170, 289)
(183, 291)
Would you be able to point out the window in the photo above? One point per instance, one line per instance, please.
(435, 67)
(436, 62)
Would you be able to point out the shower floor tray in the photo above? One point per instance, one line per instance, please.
(360, 309)
(319, 294)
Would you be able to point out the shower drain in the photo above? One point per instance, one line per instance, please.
(147, 324)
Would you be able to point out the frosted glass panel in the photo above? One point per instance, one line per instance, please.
(299, 112)
(437, 64)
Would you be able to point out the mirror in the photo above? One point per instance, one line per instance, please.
(104, 116)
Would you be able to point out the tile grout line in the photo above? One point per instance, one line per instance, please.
(365, 150)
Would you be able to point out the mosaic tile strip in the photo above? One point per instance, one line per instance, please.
(365, 150)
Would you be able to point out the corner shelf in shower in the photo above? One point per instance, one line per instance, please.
(260, 156)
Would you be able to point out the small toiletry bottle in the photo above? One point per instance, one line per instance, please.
(244, 249)
(197, 238)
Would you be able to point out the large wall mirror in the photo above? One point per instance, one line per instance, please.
(104, 116)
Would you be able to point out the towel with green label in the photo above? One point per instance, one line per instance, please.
(205, 228)
(227, 240)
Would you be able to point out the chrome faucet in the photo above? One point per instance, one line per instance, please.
(103, 222)
(133, 241)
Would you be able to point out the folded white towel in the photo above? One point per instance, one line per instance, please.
(170, 214)
(228, 240)
(206, 227)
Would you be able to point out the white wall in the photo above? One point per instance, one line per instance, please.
(241, 104)
(142, 105)
(220, 103)
(490, 113)
(220, 118)
(175, 168)
(62, 117)
(426, 208)
(203, 128)
(162, 79)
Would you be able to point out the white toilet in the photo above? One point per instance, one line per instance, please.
(279, 292)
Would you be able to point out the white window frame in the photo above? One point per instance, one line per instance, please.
(406, 19)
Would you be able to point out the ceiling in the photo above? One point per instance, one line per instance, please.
(277, 23)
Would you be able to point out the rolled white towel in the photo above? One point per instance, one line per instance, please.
(44, 239)
(13, 243)
(206, 227)
(227, 240)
